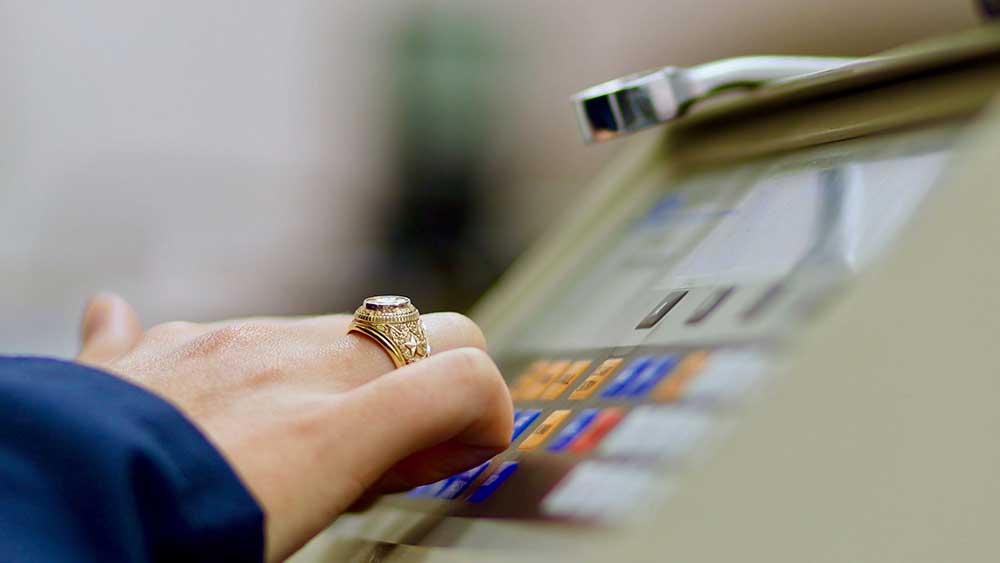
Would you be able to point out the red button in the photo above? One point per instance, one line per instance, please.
(605, 421)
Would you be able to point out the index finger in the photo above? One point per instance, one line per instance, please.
(361, 359)
(455, 402)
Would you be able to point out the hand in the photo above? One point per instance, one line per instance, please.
(310, 418)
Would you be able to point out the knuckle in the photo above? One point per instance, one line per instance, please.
(310, 420)
(470, 361)
(264, 377)
(171, 329)
(468, 329)
(476, 369)
(219, 338)
(228, 337)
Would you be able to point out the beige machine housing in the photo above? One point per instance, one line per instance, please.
(875, 438)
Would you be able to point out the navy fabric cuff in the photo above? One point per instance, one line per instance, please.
(93, 468)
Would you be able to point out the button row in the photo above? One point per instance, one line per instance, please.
(594, 380)
(581, 435)
(453, 487)
(663, 378)
(649, 433)
(711, 304)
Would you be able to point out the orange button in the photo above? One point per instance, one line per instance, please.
(595, 379)
(528, 379)
(540, 383)
(673, 387)
(605, 421)
(544, 430)
(572, 373)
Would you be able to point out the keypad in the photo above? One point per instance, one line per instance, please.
(603, 423)
(543, 379)
(493, 482)
(455, 486)
(595, 379)
(607, 492)
(526, 382)
(656, 432)
(625, 377)
(687, 368)
(612, 419)
(650, 377)
(522, 420)
(568, 377)
(572, 430)
(544, 430)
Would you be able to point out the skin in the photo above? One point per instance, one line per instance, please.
(312, 420)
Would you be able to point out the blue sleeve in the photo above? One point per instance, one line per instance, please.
(93, 468)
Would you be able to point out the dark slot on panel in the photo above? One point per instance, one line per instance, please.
(763, 302)
(664, 307)
(710, 305)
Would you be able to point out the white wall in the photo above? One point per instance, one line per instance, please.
(216, 158)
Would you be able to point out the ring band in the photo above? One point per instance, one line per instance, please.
(394, 323)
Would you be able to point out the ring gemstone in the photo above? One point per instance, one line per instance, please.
(394, 323)
(386, 302)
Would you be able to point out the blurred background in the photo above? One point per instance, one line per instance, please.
(230, 158)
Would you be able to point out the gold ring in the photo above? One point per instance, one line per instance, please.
(393, 322)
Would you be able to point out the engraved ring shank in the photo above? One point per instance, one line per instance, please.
(394, 323)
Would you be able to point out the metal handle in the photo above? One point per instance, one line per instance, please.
(638, 101)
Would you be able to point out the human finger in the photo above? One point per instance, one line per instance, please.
(110, 328)
(362, 359)
(430, 419)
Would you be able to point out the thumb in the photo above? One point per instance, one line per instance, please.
(110, 328)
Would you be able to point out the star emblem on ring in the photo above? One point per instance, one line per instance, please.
(394, 323)
(410, 337)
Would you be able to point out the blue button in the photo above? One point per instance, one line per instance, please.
(421, 491)
(522, 421)
(429, 490)
(457, 484)
(436, 488)
(493, 482)
(625, 377)
(650, 377)
(568, 433)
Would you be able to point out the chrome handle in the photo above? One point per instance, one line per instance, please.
(638, 101)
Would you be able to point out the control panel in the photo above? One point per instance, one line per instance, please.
(646, 353)
(765, 336)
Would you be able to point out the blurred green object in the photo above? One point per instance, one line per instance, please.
(444, 74)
